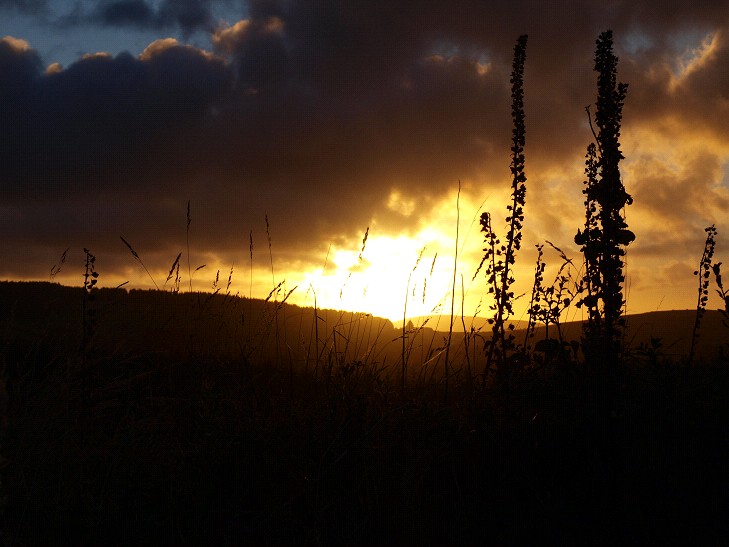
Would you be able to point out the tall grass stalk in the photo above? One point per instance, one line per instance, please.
(174, 269)
(187, 239)
(466, 342)
(351, 325)
(250, 284)
(56, 269)
(405, 331)
(275, 291)
(136, 255)
(446, 361)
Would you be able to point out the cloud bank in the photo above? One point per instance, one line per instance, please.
(332, 116)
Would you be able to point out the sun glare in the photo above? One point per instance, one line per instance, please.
(400, 274)
(391, 273)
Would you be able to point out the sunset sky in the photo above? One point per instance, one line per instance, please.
(330, 117)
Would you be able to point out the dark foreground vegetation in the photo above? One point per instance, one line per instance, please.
(189, 419)
(198, 446)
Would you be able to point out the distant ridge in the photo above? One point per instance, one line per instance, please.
(158, 319)
(673, 328)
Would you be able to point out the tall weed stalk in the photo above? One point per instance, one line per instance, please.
(704, 275)
(606, 233)
(500, 258)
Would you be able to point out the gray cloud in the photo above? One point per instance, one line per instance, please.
(126, 13)
(25, 6)
(189, 16)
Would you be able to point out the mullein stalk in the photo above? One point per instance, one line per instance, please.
(704, 275)
(606, 234)
(500, 272)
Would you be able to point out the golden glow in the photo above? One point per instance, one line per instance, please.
(482, 68)
(400, 204)
(397, 274)
(378, 282)
(97, 55)
(54, 68)
(226, 37)
(695, 58)
(159, 46)
(16, 44)
(156, 47)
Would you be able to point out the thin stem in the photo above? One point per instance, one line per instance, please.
(446, 362)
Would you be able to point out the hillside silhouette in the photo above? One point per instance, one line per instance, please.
(144, 322)
(187, 419)
(672, 328)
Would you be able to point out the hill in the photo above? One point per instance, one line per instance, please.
(672, 329)
(147, 321)
(199, 419)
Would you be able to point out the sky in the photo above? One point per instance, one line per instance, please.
(304, 126)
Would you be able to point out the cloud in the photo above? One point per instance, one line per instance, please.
(16, 45)
(25, 6)
(126, 13)
(189, 16)
(329, 116)
(91, 126)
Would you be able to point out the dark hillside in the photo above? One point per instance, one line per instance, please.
(187, 419)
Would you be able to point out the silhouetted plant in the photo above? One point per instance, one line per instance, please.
(536, 297)
(446, 361)
(174, 269)
(187, 239)
(704, 275)
(606, 232)
(136, 255)
(56, 269)
(88, 324)
(590, 241)
(406, 331)
(88, 314)
(548, 304)
(722, 292)
(500, 258)
(651, 351)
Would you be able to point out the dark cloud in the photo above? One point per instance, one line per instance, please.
(314, 112)
(189, 16)
(25, 6)
(97, 121)
(127, 13)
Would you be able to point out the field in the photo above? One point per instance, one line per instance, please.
(187, 419)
